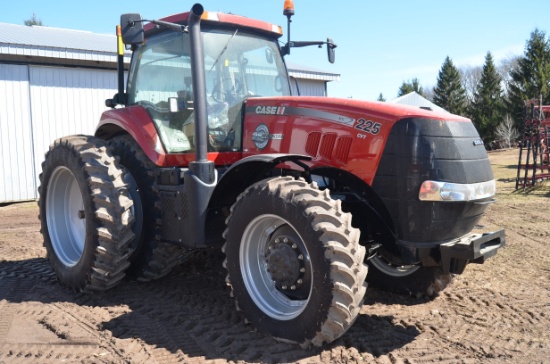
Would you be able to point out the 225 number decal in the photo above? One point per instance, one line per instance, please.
(368, 126)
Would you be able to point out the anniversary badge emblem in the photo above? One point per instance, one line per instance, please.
(261, 136)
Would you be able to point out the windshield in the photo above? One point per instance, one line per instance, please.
(238, 65)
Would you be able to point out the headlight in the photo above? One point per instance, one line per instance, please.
(445, 191)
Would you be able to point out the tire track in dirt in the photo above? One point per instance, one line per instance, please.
(55, 326)
(188, 317)
(38, 269)
(191, 318)
(206, 323)
(8, 294)
(500, 315)
(482, 325)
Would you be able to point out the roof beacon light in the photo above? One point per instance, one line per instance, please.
(289, 8)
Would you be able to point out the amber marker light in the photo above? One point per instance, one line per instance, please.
(207, 15)
(120, 45)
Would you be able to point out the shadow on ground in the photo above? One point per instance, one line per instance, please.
(189, 313)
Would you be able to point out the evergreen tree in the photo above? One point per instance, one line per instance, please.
(487, 109)
(33, 21)
(531, 78)
(410, 86)
(381, 97)
(449, 92)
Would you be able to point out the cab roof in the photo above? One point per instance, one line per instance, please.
(224, 19)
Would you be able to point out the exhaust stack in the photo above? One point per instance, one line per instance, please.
(201, 177)
(199, 83)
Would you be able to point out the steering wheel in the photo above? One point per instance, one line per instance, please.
(147, 104)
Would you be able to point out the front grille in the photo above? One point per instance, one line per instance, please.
(424, 149)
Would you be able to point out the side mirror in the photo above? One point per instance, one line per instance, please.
(330, 50)
(132, 28)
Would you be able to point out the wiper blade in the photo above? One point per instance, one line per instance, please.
(224, 49)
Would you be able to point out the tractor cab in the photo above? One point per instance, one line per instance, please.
(238, 64)
(240, 58)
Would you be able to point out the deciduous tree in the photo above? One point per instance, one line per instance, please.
(506, 132)
(505, 68)
(470, 76)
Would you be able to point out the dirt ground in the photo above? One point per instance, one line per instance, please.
(493, 313)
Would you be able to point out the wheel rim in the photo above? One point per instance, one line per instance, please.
(277, 274)
(65, 216)
(387, 267)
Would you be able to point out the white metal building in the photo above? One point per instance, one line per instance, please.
(415, 99)
(54, 82)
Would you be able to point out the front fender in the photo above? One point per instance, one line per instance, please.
(247, 171)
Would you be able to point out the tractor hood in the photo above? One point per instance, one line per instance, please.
(344, 133)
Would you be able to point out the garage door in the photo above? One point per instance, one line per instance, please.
(66, 101)
(17, 178)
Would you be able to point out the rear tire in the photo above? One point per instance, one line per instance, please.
(294, 262)
(150, 259)
(85, 213)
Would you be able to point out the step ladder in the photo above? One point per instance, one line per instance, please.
(534, 147)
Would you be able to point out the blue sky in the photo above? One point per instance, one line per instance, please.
(380, 44)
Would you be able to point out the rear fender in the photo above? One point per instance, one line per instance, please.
(134, 120)
(238, 178)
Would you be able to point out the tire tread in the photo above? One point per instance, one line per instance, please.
(110, 205)
(341, 240)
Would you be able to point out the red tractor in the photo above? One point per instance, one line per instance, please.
(207, 148)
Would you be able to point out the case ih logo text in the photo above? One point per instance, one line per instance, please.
(270, 110)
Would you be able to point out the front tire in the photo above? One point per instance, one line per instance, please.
(415, 281)
(85, 213)
(294, 262)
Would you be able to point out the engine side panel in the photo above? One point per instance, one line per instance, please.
(328, 132)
